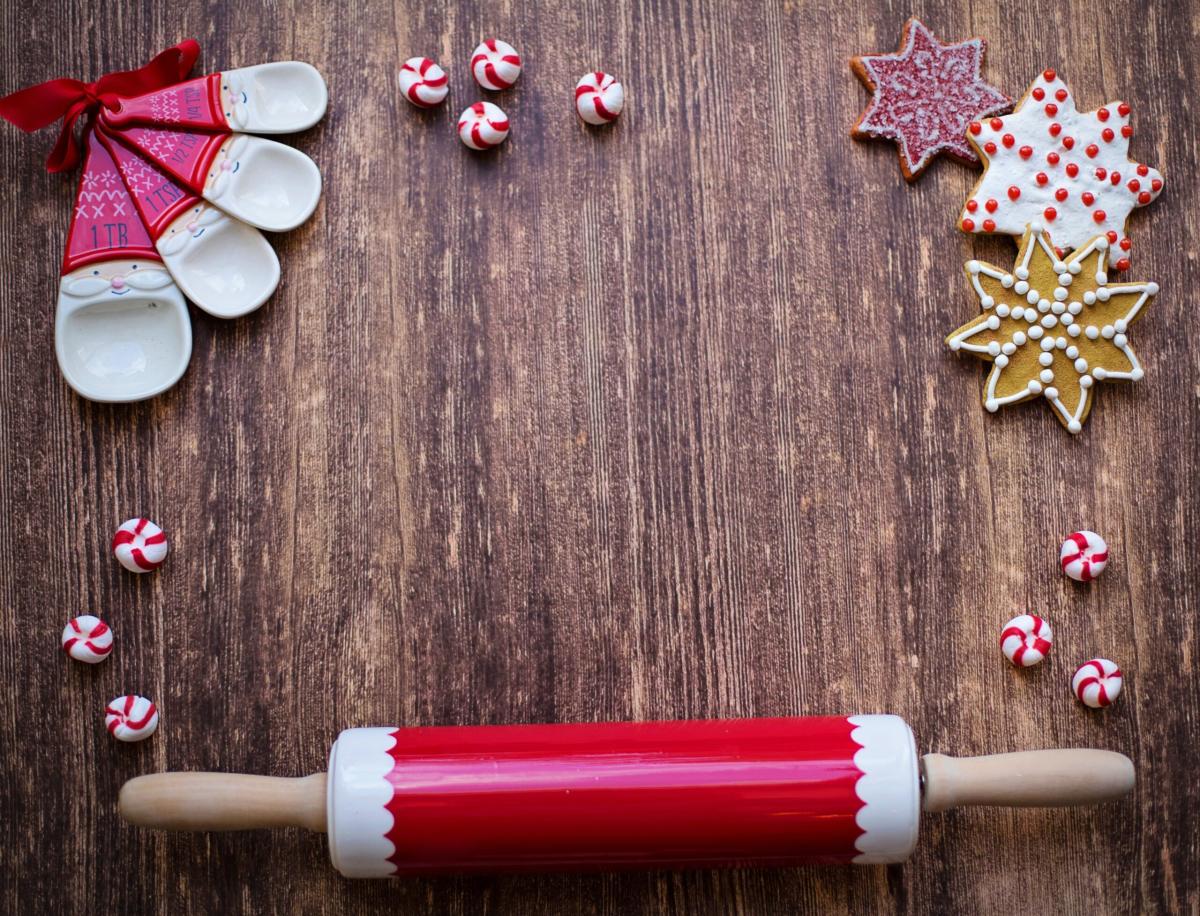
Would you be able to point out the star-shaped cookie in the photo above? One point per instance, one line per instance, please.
(924, 97)
(1052, 327)
(1068, 170)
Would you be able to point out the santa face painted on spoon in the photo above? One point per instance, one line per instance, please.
(117, 278)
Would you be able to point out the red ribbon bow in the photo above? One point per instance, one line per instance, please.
(39, 106)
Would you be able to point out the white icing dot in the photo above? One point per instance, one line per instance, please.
(1152, 289)
(1102, 243)
(1100, 373)
(1034, 385)
(993, 322)
(1081, 365)
(1092, 332)
(1060, 293)
(1049, 321)
(1035, 226)
(1121, 325)
(1075, 307)
(1046, 359)
(1085, 381)
(955, 343)
(1107, 332)
(1046, 376)
(987, 302)
(1047, 343)
(1019, 312)
(1067, 320)
(1058, 308)
(1007, 281)
(1035, 332)
(1059, 267)
(1101, 277)
(1065, 279)
(1002, 310)
(1103, 293)
(992, 405)
(1022, 274)
(1043, 305)
(1072, 351)
(1074, 426)
(1120, 340)
(1074, 268)
(1001, 360)
(1061, 343)
(1136, 373)
(973, 267)
(1019, 338)
(994, 349)
(1009, 348)
(1051, 393)
(1032, 296)
(1074, 330)
(1021, 287)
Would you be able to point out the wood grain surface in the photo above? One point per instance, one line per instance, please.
(646, 422)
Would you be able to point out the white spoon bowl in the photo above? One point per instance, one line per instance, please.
(121, 331)
(223, 265)
(283, 97)
(263, 183)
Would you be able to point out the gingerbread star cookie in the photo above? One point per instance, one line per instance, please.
(1053, 327)
(924, 97)
(1066, 169)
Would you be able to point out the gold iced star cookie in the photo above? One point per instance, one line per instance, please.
(1052, 327)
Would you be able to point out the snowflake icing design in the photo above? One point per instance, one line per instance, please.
(1050, 163)
(925, 95)
(1052, 327)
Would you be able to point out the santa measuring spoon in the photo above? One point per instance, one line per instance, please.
(121, 328)
(283, 97)
(224, 266)
(261, 182)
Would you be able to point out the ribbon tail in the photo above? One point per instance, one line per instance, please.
(65, 155)
(39, 106)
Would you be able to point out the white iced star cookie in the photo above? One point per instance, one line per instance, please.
(1066, 169)
(1052, 326)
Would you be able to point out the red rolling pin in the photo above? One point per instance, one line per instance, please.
(420, 801)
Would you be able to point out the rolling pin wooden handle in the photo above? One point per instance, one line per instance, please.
(1027, 779)
(223, 801)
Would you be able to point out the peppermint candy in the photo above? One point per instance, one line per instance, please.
(140, 545)
(495, 64)
(87, 639)
(1084, 555)
(131, 718)
(599, 98)
(483, 126)
(1025, 640)
(1096, 683)
(423, 82)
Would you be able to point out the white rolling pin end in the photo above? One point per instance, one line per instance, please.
(1026, 779)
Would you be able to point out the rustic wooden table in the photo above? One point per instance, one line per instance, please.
(648, 422)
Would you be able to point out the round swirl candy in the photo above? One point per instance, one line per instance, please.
(495, 64)
(483, 126)
(423, 82)
(1084, 555)
(131, 718)
(1097, 683)
(599, 98)
(1025, 640)
(87, 639)
(140, 545)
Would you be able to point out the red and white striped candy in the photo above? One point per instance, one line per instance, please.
(1084, 555)
(483, 126)
(87, 639)
(1025, 640)
(140, 545)
(423, 82)
(131, 718)
(599, 98)
(1097, 682)
(495, 64)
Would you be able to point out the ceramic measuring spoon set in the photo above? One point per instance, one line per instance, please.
(173, 194)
